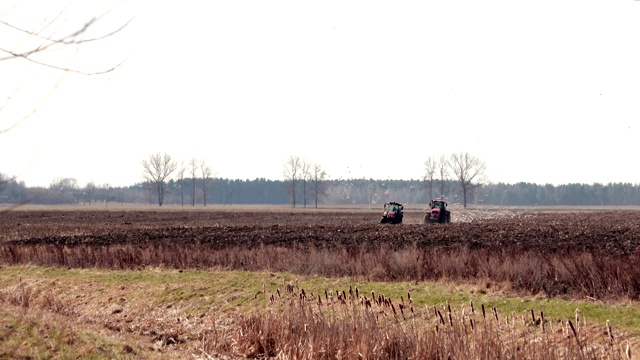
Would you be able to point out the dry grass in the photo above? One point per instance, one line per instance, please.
(349, 325)
(577, 274)
(156, 313)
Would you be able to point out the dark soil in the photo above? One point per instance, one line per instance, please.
(614, 232)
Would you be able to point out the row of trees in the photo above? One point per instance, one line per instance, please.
(335, 192)
(310, 177)
(458, 178)
(158, 168)
(299, 173)
(223, 191)
(466, 170)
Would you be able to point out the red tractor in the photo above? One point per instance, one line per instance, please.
(438, 212)
(392, 213)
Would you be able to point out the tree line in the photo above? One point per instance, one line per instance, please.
(224, 191)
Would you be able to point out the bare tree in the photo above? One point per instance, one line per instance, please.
(443, 173)
(90, 192)
(66, 188)
(181, 171)
(291, 174)
(318, 184)
(468, 171)
(206, 178)
(429, 175)
(157, 170)
(305, 175)
(193, 170)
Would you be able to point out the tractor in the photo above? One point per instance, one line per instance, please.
(438, 212)
(392, 213)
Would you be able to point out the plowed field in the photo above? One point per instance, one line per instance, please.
(614, 232)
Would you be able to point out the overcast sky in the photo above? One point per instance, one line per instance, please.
(542, 91)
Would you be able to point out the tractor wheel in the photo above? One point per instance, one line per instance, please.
(426, 219)
(383, 220)
(448, 219)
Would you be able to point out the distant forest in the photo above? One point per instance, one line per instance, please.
(334, 192)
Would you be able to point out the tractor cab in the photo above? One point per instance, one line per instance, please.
(438, 212)
(392, 213)
(438, 203)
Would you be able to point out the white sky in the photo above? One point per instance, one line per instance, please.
(543, 91)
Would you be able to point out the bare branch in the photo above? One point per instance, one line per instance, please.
(42, 39)
(65, 69)
(67, 40)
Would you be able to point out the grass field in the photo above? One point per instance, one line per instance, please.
(164, 313)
